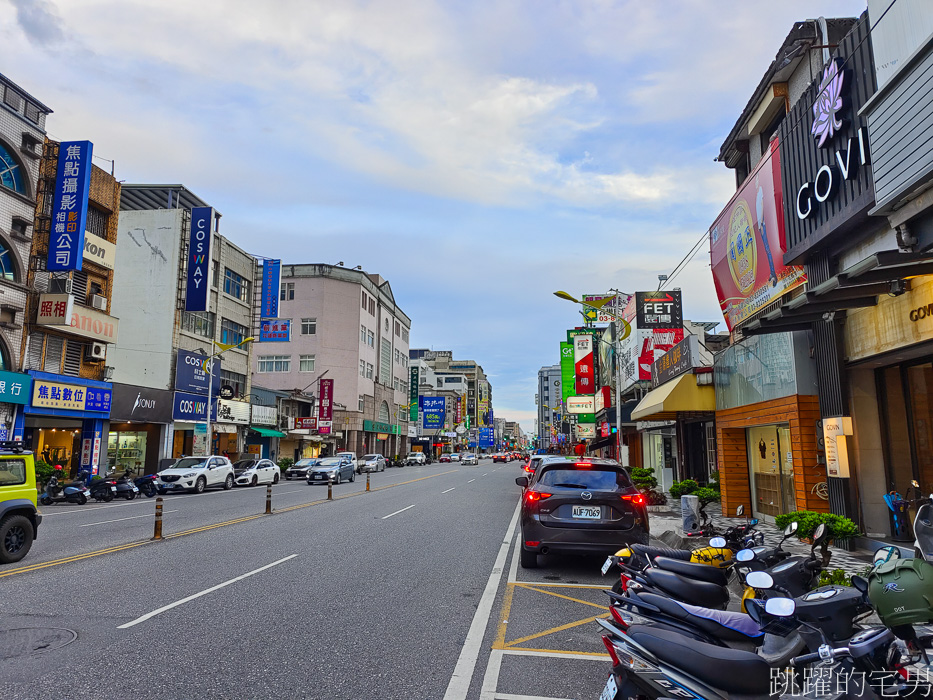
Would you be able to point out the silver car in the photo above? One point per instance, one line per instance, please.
(334, 469)
(468, 458)
(373, 463)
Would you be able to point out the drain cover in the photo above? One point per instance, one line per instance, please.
(33, 640)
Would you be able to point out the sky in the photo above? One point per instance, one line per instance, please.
(478, 155)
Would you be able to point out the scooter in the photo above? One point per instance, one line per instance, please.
(126, 488)
(147, 485)
(923, 530)
(103, 490)
(55, 493)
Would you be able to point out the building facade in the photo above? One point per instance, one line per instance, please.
(549, 406)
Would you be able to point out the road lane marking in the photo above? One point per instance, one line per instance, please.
(561, 628)
(512, 696)
(448, 490)
(557, 654)
(471, 481)
(594, 586)
(459, 684)
(398, 511)
(165, 608)
(132, 517)
(565, 597)
(486, 474)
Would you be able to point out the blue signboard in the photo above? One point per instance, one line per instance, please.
(97, 399)
(15, 387)
(190, 374)
(275, 330)
(192, 408)
(435, 411)
(271, 275)
(199, 258)
(485, 437)
(69, 205)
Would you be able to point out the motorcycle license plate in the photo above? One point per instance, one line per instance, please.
(113, 488)
(586, 512)
(609, 692)
(606, 565)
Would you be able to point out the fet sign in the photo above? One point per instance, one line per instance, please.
(199, 258)
(583, 364)
(659, 309)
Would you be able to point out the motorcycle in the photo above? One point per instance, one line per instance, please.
(126, 488)
(75, 492)
(147, 485)
(103, 490)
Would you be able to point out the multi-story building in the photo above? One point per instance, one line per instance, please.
(160, 383)
(347, 325)
(70, 326)
(548, 400)
(479, 389)
(22, 134)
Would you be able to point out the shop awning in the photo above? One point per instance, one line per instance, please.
(267, 432)
(677, 395)
(855, 287)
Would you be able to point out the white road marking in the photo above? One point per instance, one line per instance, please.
(459, 684)
(491, 679)
(448, 490)
(471, 481)
(513, 567)
(398, 511)
(132, 517)
(486, 474)
(510, 696)
(203, 593)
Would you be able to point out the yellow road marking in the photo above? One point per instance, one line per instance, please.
(131, 545)
(594, 654)
(499, 643)
(568, 626)
(565, 597)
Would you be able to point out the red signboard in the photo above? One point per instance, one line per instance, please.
(583, 364)
(326, 406)
(458, 412)
(747, 245)
(306, 423)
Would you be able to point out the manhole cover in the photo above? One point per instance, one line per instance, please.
(33, 640)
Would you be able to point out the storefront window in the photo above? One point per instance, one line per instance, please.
(900, 463)
(763, 367)
(770, 458)
(127, 452)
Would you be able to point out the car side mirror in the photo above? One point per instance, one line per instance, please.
(522, 481)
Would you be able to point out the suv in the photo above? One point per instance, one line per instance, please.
(196, 474)
(416, 458)
(19, 517)
(582, 506)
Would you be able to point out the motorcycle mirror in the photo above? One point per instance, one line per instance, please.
(754, 521)
(790, 529)
(860, 584)
(719, 542)
(744, 555)
(739, 511)
(780, 607)
(820, 533)
(885, 554)
(759, 579)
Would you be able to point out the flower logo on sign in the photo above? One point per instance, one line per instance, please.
(826, 121)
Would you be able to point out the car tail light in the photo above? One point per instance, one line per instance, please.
(636, 499)
(532, 543)
(617, 616)
(535, 496)
(611, 648)
(584, 465)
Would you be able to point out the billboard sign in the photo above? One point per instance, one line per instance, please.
(584, 368)
(275, 330)
(199, 258)
(680, 359)
(325, 411)
(747, 245)
(566, 372)
(271, 281)
(581, 404)
(191, 375)
(192, 408)
(69, 206)
(306, 423)
(434, 412)
(659, 309)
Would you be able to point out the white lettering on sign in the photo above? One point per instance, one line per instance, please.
(824, 184)
(199, 249)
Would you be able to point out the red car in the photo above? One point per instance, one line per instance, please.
(444, 458)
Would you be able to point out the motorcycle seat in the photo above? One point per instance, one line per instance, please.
(731, 670)
(649, 552)
(701, 572)
(701, 593)
(720, 624)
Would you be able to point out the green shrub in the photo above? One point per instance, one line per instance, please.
(285, 463)
(644, 479)
(656, 498)
(714, 480)
(683, 488)
(44, 471)
(807, 521)
(707, 495)
(836, 577)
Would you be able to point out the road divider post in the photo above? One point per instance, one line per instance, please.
(269, 499)
(367, 480)
(330, 489)
(157, 531)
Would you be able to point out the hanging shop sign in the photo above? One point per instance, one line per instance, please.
(413, 394)
(199, 258)
(232, 412)
(835, 431)
(326, 405)
(659, 309)
(584, 369)
(70, 397)
(14, 387)
(271, 282)
(680, 359)
(59, 310)
(99, 251)
(434, 412)
(69, 205)
(135, 403)
(275, 330)
(55, 309)
(264, 415)
(192, 408)
(586, 431)
(567, 382)
(307, 423)
(191, 372)
(747, 245)
(581, 404)
(371, 426)
(641, 348)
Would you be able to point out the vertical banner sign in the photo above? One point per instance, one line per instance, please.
(199, 258)
(325, 411)
(458, 414)
(567, 387)
(271, 281)
(583, 364)
(69, 207)
(413, 394)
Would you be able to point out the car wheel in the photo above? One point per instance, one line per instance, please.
(228, 482)
(16, 537)
(200, 485)
(255, 481)
(528, 560)
(275, 478)
(337, 483)
(352, 477)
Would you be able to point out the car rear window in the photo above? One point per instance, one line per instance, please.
(595, 477)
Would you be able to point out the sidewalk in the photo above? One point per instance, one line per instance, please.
(666, 529)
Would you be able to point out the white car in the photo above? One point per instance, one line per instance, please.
(196, 474)
(416, 458)
(372, 463)
(455, 457)
(250, 472)
(357, 463)
(468, 458)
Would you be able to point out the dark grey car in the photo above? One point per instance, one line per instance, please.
(334, 469)
(580, 506)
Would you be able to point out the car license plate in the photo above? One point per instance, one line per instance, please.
(318, 476)
(587, 512)
(606, 565)
(609, 692)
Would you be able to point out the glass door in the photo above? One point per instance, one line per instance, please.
(771, 469)
(786, 460)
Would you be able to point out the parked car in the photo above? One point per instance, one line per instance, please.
(373, 463)
(250, 472)
(299, 470)
(334, 469)
(19, 515)
(580, 507)
(468, 458)
(416, 458)
(444, 458)
(196, 474)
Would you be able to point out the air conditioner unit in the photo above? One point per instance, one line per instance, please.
(99, 302)
(60, 286)
(95, 352)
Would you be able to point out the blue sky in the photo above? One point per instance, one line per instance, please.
(477, 155)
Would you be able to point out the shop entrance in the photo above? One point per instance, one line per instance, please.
(771, 465)
(907, 410)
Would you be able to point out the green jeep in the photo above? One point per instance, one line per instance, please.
(19, 517)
